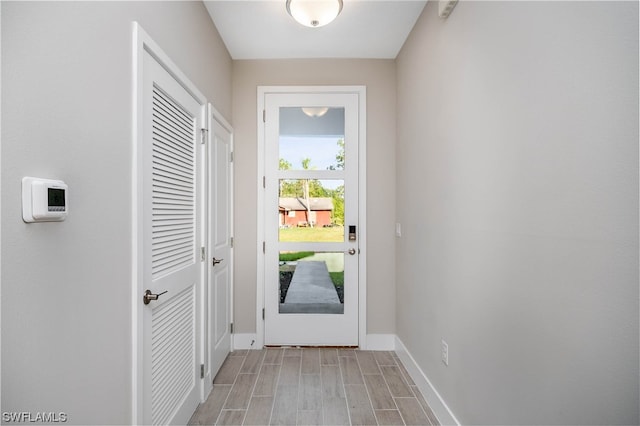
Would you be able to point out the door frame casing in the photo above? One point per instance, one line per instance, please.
(142, 43)
(214, 115)
(362, 201)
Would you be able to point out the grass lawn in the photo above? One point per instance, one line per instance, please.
(337, 278)
(290, 257)
(317, 234)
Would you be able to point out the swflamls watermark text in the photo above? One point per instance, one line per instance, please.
(28, 417)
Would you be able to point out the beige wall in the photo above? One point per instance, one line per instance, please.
(67, 114)
(379, 78)
(517, 177)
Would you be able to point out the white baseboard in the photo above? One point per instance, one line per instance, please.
(244, 341)
(438, 406)
(380, 342)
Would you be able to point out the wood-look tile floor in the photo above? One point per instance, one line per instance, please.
(311, 386)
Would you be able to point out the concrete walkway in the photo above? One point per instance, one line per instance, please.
(311, 291)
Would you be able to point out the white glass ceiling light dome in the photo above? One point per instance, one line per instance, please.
(315, 111)
(314, 13)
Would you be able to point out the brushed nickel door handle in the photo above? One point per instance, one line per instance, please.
(148, 296)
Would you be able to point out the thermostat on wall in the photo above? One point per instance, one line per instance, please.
(44, 200)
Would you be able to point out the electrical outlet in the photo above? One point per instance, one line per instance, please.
(445, 352)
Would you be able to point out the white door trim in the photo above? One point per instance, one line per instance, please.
(227, 126)
(362, 201)
(142, 43)
(214, 115)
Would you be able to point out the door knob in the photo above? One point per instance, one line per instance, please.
(148, 296)
(352, 251)
(216, 261)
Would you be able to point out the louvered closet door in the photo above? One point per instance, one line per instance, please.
(172, 122)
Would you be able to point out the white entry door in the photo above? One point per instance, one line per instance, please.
(220, 265)
(172, 119)
(311, 219)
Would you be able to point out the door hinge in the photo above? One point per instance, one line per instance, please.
(202, 371)
(203, 256)
(203, 138)
(231, 157)
(231, 242)
(264, 181)
(231, 328)
(264, 247)
(264, 115)
(262, 313)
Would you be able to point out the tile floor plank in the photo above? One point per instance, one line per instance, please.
(241, 392)
(259, 411)
(396, 383)
(290, 371)
(350, 371)
(310, 393)
(367, 362)
(384, 358)
(310, 418)
(411, 411)
(231, 417)
(208, 412)
(360, 410)
(292, 352)
(311, 361)
(229, 370)
(332, 386)
(405, 374)
(252, 362)
(335, 411)
(389, 418)
(267, 380)
(328, 357)
(285, 405)
(346, 352)
(428, 411)
(273, 356)
(381, 398)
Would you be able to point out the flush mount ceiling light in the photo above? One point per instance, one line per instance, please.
(315, 111)
(314, 13)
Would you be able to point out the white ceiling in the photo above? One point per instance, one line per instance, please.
(263, 29)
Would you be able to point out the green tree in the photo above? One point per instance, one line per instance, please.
(339, 157)
(284, 164)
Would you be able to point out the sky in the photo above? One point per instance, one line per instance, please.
(321, 150)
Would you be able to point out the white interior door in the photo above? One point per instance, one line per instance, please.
(311, 219)
(220, 261)
(172, 120)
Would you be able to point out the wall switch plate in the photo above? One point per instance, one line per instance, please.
(398, 230)
(445, 352)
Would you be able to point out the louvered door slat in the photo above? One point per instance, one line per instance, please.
(163, 128)
(171, 151)
(173, 199)
(173, 353)
(166, 103)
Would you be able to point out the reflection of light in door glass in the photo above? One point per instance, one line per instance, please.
(311, 282)
(311, 210)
